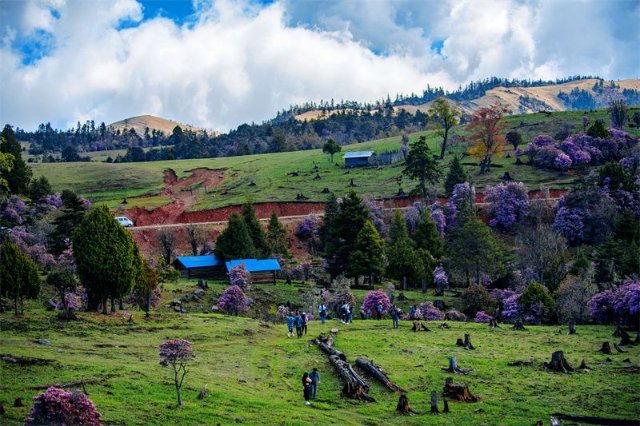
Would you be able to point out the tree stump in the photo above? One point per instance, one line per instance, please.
(18, 402)
(457, 392)
(403, 406)
(455, 368)
(493, 323)
(459, 342)
(623, 335)
(203, 393)
(434, 402)
(572, 327)
(418, 326)
(467, 342)
(558, 363)
(444, 325)
(519, 325)
(606, 348)
(583, 366)
(615, 345)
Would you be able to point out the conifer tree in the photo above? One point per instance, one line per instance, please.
(235, 242)
(367, 258)
(404, 261)
(277, 237)
(427, 236)
(455, 176)
(18, 176)
(421, 165)
(19, 277)
(255, 231)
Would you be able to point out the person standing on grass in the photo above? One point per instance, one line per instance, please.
(304, 323)
(315, 379)
(349, 315)
(298, 323)
(290, 320)
(322, 309)
(395, 315)
(379, 311)
(306, 388)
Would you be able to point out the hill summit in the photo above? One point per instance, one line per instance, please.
(141, 122)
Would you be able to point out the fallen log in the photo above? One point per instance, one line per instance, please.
(520, 363)
(325, 343)
(557, 417)
(354, 385)
(457, 392)
(377, 373)
(403, 406)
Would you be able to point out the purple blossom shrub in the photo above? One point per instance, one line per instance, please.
(233, 301)
(454, 315)
(139, 300)
(509, 204)
(430, 313)
(482, 317)
(378, 216)
(375, 298)
(308, 227)
(310, 317)
(623, 303)
(440, 279)
(238, 275)
(463, 197)
(562, 162)
(49, 203)
(56, 406)
(569, 222)
(602, 307)
(439, 218)
(177, 354)
(412, 216)
(72, 301)
(13, 210)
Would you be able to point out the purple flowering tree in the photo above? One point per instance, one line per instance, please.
(430, 313)
(378, 216)
(562, 162)
(57, 406)
(233, 301)
(239, 276)
(462, 199)
(176, 354)
(375, 298)
(509, 203)
(621, 304)
(440, 279)
(628, 299)
(439, 218)
(601, 307)
(483, 317)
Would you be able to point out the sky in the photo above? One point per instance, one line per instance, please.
(217, 64)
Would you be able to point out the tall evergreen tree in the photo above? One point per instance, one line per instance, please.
(235, 242)
(421, 165)
(367, 258)
(427, 236)
(19, 278)
(19, 176)
(455, 176)
(403, 260)
(277, 237)
(72, 213)
(255, 231)
(39, 188)
(398, 228)
(107, 259)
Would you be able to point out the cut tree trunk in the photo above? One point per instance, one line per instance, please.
(606, 348)
(583, 366)
(572, 327)
(457, 392)
(467, 342)
(493, 323)
(556, 419)
(558, 363)
(519, 325)
(459, 342)
(434, 402)
(403, 406)
(354, 385)
(377, 373)
(615, 345)
(623, 335)
(418, 326)
(455, 368)
(325, 342)
(519, 363)
(203, 393)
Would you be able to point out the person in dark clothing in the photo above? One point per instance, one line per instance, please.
(395, 315)
(379, 311)
(315, 379)
(306, 386)
(298, 323)
(304, 323)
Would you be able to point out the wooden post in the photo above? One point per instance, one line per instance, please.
(404, 283)
(424, 285)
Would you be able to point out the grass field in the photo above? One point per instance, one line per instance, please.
(110, 183)
(253, 370)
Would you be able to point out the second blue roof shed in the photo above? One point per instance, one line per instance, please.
(262, 270)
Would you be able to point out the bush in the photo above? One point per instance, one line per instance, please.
(430, 312)
(375, 298)
(537, 305)
(509, 204)
(453, 315)
(440, 279)
(238, 275)
(233, 301)
(58, 407)
(477, 298)
(483, 317)
(622, 303)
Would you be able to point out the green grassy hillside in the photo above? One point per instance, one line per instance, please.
(110, 183)
(253, 370)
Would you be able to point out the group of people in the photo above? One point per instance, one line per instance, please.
(299, 321)
(310, 385)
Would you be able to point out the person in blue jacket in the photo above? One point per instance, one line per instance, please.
(315, 379)
(290, 321)
(395, 315)
(298, 323)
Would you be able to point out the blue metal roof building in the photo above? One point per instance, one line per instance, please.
(262, 270)
(208, 266)
(358, 158)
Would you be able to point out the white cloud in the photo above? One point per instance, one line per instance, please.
(238, 62)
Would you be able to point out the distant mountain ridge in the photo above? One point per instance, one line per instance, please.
(141, 122)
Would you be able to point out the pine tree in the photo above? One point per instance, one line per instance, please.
(427, 236)
(19, 278)
(19, 176)
(255, 231)
(73, 211)
(235, 242)
(106, 257)
(404, 261)
(367, 258)
(277, 237)
(455, 176)
(398, 228)
(39, 188)
(421, 165)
